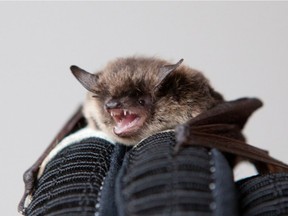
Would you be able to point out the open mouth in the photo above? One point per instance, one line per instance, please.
(127, 121)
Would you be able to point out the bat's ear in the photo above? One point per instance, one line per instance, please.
(165, 71)
(88, 80)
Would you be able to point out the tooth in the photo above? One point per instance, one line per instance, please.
(125, 112)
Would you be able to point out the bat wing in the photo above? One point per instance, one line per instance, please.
(221, 128)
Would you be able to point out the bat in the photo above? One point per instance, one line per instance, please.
(133, 98)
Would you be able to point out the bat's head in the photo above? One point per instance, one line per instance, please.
(132, 98)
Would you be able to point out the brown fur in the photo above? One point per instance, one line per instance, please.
(180, 96)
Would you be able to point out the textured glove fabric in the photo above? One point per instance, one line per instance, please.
(264, 195)
(71, 182)
(95, 177)
(153, 180)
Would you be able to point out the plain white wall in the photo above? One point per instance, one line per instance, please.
(242, 47)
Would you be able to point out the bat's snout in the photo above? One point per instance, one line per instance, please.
(113, 104)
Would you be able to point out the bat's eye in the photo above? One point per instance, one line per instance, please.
(141, 102)
(96, 94)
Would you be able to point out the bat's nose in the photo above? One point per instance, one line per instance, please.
(113, 104)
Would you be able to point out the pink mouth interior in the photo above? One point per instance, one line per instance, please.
(127, 121)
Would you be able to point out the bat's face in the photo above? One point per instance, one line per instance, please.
(136, 97)
(124, 114)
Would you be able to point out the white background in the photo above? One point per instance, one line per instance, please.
(242, 47)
